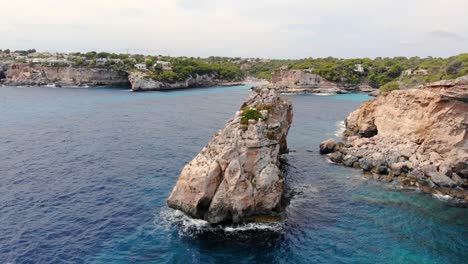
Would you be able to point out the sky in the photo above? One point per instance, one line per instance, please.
(239, 28)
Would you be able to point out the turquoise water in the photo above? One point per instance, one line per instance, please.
(85, 174)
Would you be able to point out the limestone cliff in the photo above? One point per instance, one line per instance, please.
(25, 75)
(237, 175)
(419, 136)
(302, 81)
(141, 82)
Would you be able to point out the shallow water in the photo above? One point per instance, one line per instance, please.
(85, 173)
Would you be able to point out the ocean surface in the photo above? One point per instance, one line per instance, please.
(85, 173)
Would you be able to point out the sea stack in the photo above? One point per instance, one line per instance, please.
(237, 175)
(418, 137)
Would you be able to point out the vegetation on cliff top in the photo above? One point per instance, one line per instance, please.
(375, 72)
(390, 86)
(184, 68)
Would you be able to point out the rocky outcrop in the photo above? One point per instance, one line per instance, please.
(25, 75)
(303, 81)
(417, 137)
(141, 82)
(237, 175)
(4, 67)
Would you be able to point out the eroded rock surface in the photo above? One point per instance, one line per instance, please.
(303, 81)
(141, 82)
(237, 175)
(416, 136)
(25, 75)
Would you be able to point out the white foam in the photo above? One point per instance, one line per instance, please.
(170, 218)
(442, 197)
(340, 128)
(254, 227)
(323, 94)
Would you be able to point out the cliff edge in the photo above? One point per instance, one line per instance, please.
(26, 75)
(303, 81)
(237, 175)
(418, 137)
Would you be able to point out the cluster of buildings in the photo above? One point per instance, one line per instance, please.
(410, 72)
(65, 59)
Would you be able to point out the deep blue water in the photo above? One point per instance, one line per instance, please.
(85, 173)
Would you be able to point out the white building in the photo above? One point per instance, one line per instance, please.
(116, 60)
(407, 72)
(163, 63)
(140, 66)
(358, 68)
(421, 72)
(101, 61)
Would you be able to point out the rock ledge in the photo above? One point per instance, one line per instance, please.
(416, 137)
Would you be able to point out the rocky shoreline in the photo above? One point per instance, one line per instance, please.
(140, 82)
(237, 175)
(301, 81)
(14, 74)
(415, 137)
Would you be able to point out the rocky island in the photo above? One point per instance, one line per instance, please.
(237, 175)
(415, 137)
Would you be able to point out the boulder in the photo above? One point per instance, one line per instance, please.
(365, 164)
(440, 179)
(461, 168)
(336, 157)
(328, 146)
(237, 174)
(349, 160)
(381, 169)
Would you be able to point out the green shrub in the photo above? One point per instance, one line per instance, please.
(390, 86)
(250, 114)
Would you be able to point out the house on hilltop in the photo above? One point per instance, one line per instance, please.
(140, 66)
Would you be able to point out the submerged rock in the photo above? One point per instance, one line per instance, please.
(421, 134)
(237, 175)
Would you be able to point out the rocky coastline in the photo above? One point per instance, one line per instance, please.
(302, 81)
(140, 82)
(237, 176)
(19, 74)
(415, 138)
(26, 75)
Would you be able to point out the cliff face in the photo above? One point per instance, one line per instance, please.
(23, 74)
(300, 81)
(419, 134)
(139, 82)
(237, 174)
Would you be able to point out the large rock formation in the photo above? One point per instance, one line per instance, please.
(25, 75)
(237, 175)
(416, 136)
(21, 74)
(303, 81)
(141, 82)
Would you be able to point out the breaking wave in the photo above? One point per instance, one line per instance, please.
(188, 226)
(340, 128)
